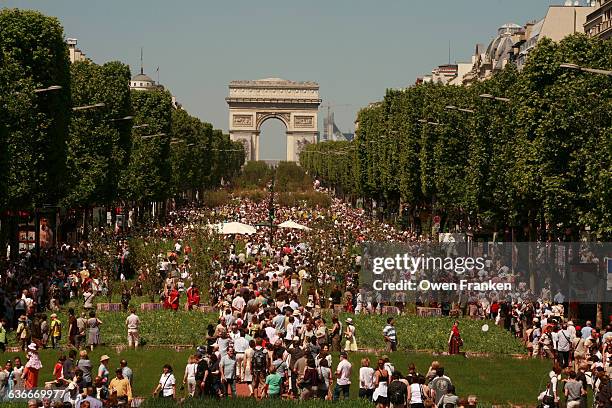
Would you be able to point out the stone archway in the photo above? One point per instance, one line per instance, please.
(296, 104)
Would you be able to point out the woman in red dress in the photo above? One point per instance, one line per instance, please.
(173, 298)
(454, 340)
(193, 297)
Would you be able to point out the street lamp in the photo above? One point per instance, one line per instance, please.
(452, 107)
(87, 107)
(121, 119)
(495, 98)
(584, 69)
(50, 88)
(152, 136)
(428, 122)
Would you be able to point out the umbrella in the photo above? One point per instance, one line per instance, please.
(227, 228)
(294, 225)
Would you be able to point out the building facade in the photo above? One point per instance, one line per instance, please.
(513, 42)
(599, 21)
(73, 52)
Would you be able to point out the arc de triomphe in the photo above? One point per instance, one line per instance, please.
(251, 103)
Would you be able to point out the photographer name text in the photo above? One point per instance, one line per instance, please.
(426, 285)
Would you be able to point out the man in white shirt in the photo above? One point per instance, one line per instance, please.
(240, 346)
(563, 345)
(133, 323)
(238, 303)
(343, 377)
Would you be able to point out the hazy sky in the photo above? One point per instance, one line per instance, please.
(354, 49)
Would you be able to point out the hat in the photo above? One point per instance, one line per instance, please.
(349, 320)
(385, 357)
(53, 315)
(33, 347)
(104, 357)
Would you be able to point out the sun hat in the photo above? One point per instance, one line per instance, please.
(53, 315)
(33, 347)
(349, 320)
(104, 357)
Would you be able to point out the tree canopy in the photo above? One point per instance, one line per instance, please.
(542, 160)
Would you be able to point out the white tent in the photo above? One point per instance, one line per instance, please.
(227, 228)
(294, 225)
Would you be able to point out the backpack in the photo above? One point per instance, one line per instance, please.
(312, 376)
(445, 404)
(259, 360)
(201, 369)
(397, 392)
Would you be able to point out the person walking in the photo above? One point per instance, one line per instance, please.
(336, 333)
(454, 340)
(326, 380)
(574, 391)
(73, 329)
(349, 334)
(418, 392)
(343, 377)
(132, 323)
(189, 378)
(381, 382)
(56, 331)
(166, 387)
(259, 367)
(227, 368)
(390, 335)
(397, 391)
(103, 371)
(366, 380)
(121, 388)
(32, 368)
(93, 323)
(127, 371)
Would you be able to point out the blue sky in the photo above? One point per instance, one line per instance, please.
(354, 49)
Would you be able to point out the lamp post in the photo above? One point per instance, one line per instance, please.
(88, 107)
(49, 88)
(271, 207)
(152, 136)
(585, 69)
(452, 107)
(494, 98)
(125, 118)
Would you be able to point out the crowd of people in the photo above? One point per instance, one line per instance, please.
(270, 289)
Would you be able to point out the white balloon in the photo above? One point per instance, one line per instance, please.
(485, 327)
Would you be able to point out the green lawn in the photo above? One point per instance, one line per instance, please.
(165, 327)
(499, 380)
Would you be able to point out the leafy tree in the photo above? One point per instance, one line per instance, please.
(542, 161)
(191, 152)
(100, 139)
(35, 56)
(147, 176)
